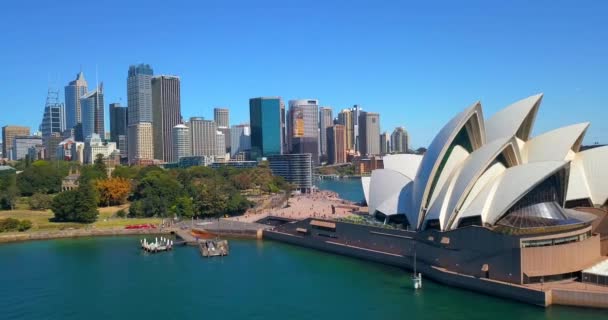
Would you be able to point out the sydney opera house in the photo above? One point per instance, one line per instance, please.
(489, 207)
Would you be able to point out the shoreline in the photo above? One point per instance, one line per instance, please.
(76, 233)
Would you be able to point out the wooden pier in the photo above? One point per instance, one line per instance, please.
(214, 248)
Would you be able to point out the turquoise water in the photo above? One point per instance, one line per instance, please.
(110, 278)
(348, 189)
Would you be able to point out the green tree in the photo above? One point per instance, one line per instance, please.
(24, 225)
(9, 224)
(64, 206)
(157, 191)
(9, 193)
(126, 172)
(100, 166)
(40, 201)
(183, 207)
(87, 204)
(41, 177)
(78, 205)
(97, 171)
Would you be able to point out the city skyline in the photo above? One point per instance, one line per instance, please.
(404, 66)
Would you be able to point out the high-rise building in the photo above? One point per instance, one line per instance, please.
(92, 111)
(220, 144)
(221, 116)
(139, 113)
(139, 92)
(294, 168)
(400, 140)
(345, 118)
(203, 136)
(118, 121)
(336, 144)
(8, 135)
(357, 112)
(240, 139)
(118, 127)
(73, 91)
(303, 127)
(267, 116)
(140, 148)
(385, 143)
(53, 120)
(369, 133)
(22, 144)
(166, 114)
(182, 147)
(326, 120)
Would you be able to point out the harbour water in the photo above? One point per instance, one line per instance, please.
(348, 189)
(111, 278)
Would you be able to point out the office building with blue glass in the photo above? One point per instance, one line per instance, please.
(267, 117)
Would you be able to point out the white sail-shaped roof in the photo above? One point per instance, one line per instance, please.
(406, 164)
(555, 145)
(384, 184)
(504, 191)
(475, 172)
(514, 120)
(365, 184)
(589, 176)
(469, 124)
(501, 150)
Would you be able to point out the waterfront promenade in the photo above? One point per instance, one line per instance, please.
(299, 207)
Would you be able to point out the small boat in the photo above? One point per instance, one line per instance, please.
(157, 246)
(416, 277)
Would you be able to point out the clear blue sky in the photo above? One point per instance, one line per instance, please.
(416, 63)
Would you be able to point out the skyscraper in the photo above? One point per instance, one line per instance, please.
(140, 148)
(336, 144)
(203, 136)
(240, 139)
(92, 112)
(345, 118)
(400, 140)
(221, 116)
(357, 112)
(118, 127)
(303, 127)
(139, 112)
(267, 116)
(385, 143)
(182, 147)
(369, 133)
(166, 114)
(8, 135)
(220, 144)
(73, 91)
(325, 121)
(53, 120)
(139, 92)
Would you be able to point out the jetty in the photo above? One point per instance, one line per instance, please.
(157, 246)
(214, 248)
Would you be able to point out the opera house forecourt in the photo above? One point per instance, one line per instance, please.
(488, 208)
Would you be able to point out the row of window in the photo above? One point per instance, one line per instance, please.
(554, 242)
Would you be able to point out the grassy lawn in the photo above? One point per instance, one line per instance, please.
(41, 219)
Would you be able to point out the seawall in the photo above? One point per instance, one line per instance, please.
(76, 233)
